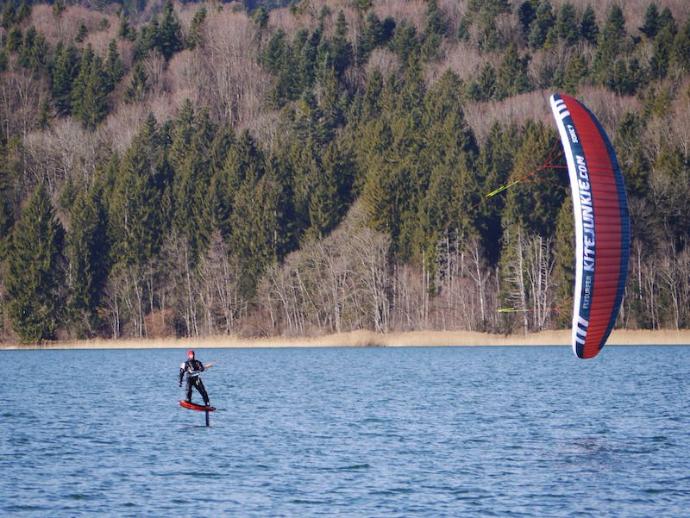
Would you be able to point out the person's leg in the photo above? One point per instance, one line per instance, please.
(189, 389)
(202, 390)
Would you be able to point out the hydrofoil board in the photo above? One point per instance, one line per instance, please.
(198, 408)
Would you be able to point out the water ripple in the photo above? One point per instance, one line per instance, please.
(351, 432)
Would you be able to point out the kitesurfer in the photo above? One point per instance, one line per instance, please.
(193, 368)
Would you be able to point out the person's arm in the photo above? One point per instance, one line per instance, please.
(183, 368)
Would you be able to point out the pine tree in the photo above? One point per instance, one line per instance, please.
(543, 23)
(566, 24)
(23, 12)
(14, 39)
(666, 20)
(527, 12)
(513, 78)
(632, 155)
(35, 271)
(535, 204)
(63, 75)
(485, 87)
(261, 17)
(125, 31)
(611, 44)
(88, 255)
(90, 90)
(405, 42)
(7, 201)
(254, 230)
(308, 46)
(493, 169)
(589, 30)
(9, 15)
(564, 265)
(169, 35)
(680, 54)
(327, 197)
(138, 86)
(342, 48)
(651, 21)
(435, 30)
(114, 68)
(189, 157)
(34, 50)
(136, 214)
(195, 37)
(575, 73)
(279, 178)
(369, 38)
(82, 32)
(244, 160)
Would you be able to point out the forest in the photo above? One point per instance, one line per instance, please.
(300, 168)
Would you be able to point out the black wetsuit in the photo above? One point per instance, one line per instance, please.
(193, 368)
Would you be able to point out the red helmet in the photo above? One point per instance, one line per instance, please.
(190, 354)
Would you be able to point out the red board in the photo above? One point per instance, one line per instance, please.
(194, 406)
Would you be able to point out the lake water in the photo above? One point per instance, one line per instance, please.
(357, 432)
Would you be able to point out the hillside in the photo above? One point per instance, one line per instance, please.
(187, 169)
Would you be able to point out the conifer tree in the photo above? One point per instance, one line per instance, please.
(114, 68)
(9, 15)
(666, 20)
(34, 51)
(327, 196)
(544, 21)
(485, 87)
(243, 160)
(632, 156)
(136, 214)
(189, 157)
(308, 46)
(342, 48)
(82, 32)
(138, 86)
(88, 255)
(195, 38)
(371, 35)
(64, 73)
(611, 44)
(564, 265)
(575, 73)
(125, 30)
(589, 30)
(90, 90)
(23, 12)
(35, 271)
(405, 43)
(566, 24)
(494, 165)
(435, 29)
(535, 204)
(680, 54)
(527, 12)
(14, 39)
(513, 76)
(169, 36)
(651, 21)
(7, 202)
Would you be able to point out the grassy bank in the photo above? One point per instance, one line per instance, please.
(370, 339)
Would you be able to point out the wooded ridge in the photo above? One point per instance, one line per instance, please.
(193, 169)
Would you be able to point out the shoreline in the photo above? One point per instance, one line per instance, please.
(367, 339)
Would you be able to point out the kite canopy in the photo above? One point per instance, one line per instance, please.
(602, 224)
